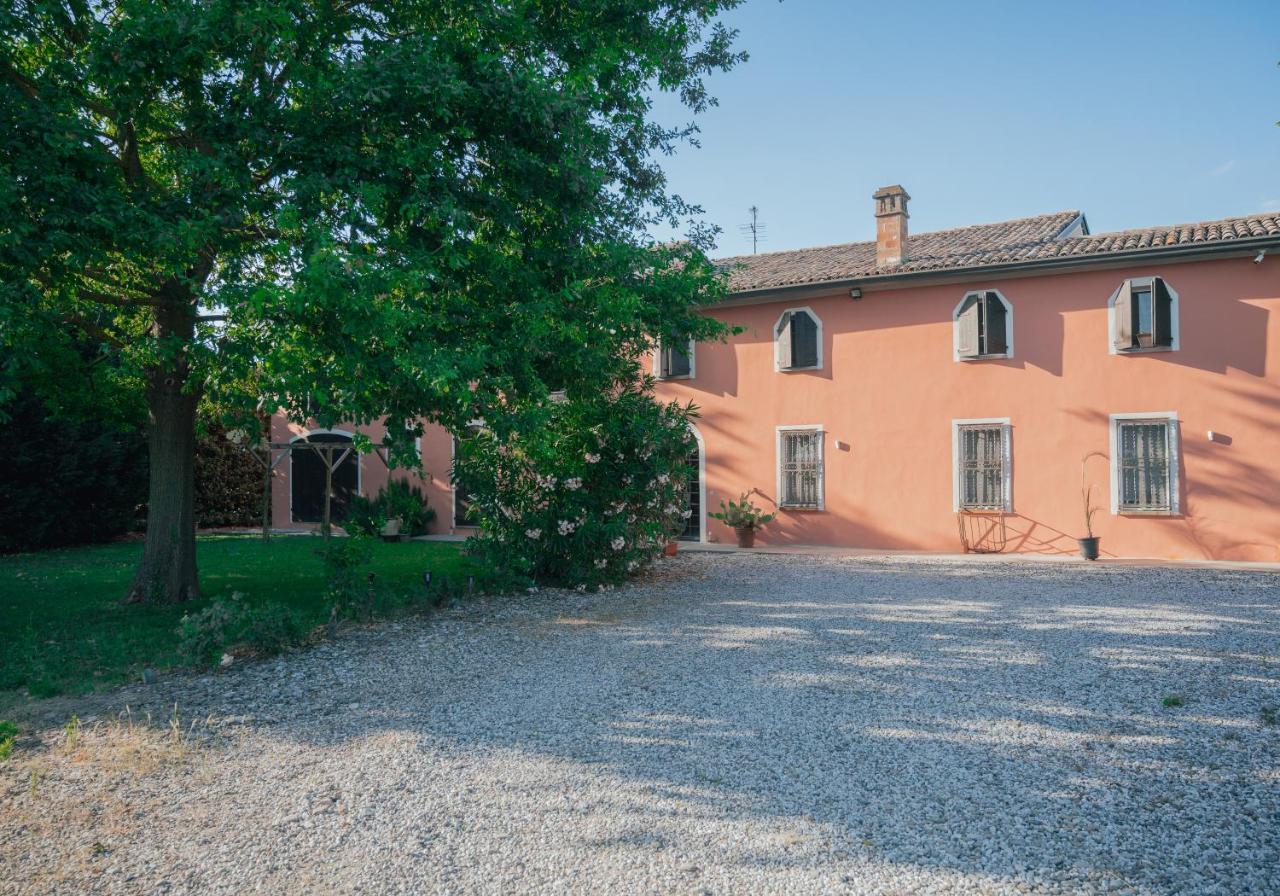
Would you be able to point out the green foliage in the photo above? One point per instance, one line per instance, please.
(1171, 701)
(407, 503)
(202, 635)
(233, 625)
(397, 500)
(1267, 714)
(228, 482)
(413, 208)
(585, 491)
(345, 562)
(8, 736)
(417, 209)
(66, 481)
(743, 514)
(63, 629)
(364, 516)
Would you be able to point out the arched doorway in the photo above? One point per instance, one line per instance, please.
(696, 491)
(306, 479)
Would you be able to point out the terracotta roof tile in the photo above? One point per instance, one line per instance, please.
(982, 245)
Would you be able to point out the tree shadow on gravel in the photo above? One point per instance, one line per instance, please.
(987, 723)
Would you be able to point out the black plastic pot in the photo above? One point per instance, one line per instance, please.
(1088, 547)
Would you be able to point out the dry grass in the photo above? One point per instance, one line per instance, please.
(89, 784)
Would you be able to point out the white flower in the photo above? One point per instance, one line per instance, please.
(573, 484)
(533, 533)
(618, 543)
(631, 566)
(601, 563)
(591, 458)
(581, 588)
(662, 477)
(567, 526)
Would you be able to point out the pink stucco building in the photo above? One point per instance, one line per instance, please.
(926, 391)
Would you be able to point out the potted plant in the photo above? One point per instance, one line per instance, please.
(1088, 544)
(744, 517)
(391, 529)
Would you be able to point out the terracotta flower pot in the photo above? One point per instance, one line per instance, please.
(746, 536)
(1088, 547)
(670, 549)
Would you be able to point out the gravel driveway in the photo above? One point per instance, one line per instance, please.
(737, 724)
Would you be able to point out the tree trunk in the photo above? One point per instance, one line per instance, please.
(167, 572)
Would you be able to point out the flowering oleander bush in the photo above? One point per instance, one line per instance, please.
(583, 492)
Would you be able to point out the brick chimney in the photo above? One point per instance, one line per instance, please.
(891, 226)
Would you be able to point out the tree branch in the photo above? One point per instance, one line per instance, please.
(93, 329)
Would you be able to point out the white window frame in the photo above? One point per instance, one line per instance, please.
(453, 486)
(1008, 326)
(1006, 425)
(1175, 463)
(822, 465)
(1175, 314)
(657, 362)
(777, 352)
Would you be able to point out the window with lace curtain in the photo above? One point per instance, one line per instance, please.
(1144, 463)
(982, 478)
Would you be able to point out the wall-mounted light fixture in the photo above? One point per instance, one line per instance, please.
(855, 293)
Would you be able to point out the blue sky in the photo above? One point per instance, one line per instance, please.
(1136, 114)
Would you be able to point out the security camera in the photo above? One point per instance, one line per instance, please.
(1261, 255)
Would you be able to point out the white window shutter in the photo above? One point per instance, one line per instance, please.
(1122, 336)
(783, 337)
(967, 328)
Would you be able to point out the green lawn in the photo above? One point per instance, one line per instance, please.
(64, 630)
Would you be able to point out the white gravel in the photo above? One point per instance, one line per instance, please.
(737, 724)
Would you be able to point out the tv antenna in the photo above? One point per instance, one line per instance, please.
(755, 229)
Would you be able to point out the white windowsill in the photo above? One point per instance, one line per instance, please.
(1140, 350)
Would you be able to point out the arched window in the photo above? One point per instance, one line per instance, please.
(797, 340)
(983, 326)
(307, 477)
(1143, 316)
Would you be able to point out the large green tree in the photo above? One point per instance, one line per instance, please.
(412, 208)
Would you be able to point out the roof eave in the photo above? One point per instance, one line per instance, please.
(1032, 267)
